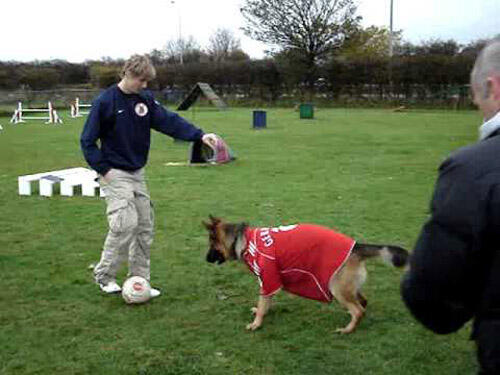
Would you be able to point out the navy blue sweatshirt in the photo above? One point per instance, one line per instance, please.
(123, 122)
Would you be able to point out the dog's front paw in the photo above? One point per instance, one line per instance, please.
(343, 331)
(253, 310)
(253, 326)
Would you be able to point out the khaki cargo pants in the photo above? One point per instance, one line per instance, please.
(131, 220)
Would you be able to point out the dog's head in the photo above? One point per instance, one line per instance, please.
(222, 238)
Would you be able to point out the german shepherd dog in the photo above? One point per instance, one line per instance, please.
(262, 248)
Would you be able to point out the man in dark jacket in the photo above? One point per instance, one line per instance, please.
(454, 271)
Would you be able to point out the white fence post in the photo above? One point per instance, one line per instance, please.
(52, 116)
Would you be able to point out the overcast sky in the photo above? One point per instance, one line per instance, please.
(90, 29)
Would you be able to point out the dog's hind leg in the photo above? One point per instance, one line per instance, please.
(345, 287)
(362, 299)
(356, 310)
(356, 315)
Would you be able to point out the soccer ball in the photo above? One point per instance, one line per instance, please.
(136, 289)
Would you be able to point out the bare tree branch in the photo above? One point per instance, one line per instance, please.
(222, 43)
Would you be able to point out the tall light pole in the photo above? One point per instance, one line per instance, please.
(390, 48)
(390, 30)
(180, 41)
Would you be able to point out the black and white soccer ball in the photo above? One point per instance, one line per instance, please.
(136, 289)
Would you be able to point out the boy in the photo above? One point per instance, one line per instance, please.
(121, 118)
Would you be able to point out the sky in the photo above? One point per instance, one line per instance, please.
(92, 29)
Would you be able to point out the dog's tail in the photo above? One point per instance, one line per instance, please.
(395, 255)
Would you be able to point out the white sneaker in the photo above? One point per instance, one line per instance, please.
(154, 293)
(110, 288)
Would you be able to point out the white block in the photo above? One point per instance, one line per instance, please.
(68, 179)
(81, 177)
(66, 189)
(47, 185)
(88, 188)
(24, 185)
(24, 182)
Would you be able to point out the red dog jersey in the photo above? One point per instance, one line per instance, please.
(301, 259)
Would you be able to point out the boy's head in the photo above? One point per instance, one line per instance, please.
(137, 72)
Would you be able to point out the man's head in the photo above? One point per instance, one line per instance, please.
(485, 79)
(136, 73)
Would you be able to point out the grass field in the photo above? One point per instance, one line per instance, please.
(368, 173)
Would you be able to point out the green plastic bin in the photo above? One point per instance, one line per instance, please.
(306, 110)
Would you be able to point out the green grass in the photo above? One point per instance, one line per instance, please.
(368, 173)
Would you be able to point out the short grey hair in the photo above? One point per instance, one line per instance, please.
(487, 64)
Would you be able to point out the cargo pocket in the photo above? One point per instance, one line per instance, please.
(152, 214)
(122, 216)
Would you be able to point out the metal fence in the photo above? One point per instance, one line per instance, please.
(57, 96)
(441, 96)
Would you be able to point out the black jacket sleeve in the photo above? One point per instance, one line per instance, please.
(439, 289)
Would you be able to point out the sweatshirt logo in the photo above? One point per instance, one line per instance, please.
(141, 109)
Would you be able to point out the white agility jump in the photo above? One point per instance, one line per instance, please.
(75, 108)
(67, 178)
(51, 114)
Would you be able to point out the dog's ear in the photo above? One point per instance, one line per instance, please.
(215, 220)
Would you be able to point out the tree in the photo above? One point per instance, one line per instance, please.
(439, 47)
(473, 48)
(369, 43)
(183, 50)
(39, 77)
(157, 57)
(9, 75)
(292, 68)
(310, 28)
(103, 76)
(427, 48)
(222, 44)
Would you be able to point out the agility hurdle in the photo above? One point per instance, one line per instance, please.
(75, 108)
(67, 179)
(51, 117)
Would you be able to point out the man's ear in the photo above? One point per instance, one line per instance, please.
(493, 85)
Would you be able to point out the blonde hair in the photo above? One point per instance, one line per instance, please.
(139, 66)
(487, 64)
